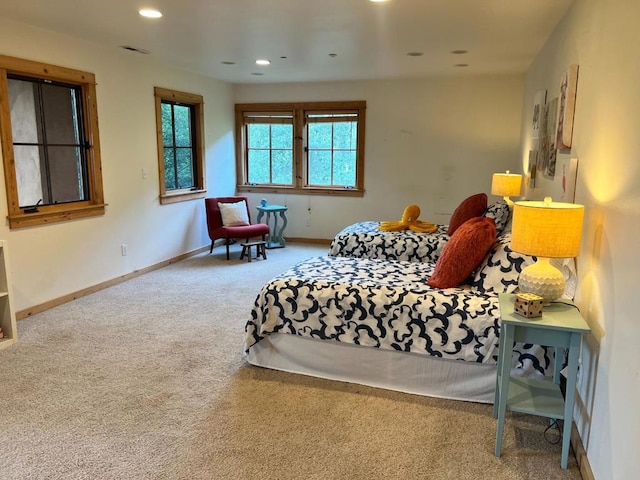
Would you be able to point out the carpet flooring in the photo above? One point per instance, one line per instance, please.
(146, 380)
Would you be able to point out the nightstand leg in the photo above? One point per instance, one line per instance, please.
(570, 395)
(504, 370)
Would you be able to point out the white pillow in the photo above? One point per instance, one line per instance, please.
(234, 214)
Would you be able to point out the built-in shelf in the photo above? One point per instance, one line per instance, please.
(7, 316)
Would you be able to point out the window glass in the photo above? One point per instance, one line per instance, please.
(47, 141)
(178, 154)
(270, 152)
(315, 148)
(320, 167)
(259, 166)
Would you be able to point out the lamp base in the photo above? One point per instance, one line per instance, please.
(542, 279)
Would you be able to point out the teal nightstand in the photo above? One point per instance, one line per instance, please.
(275, 238)
(561, 326)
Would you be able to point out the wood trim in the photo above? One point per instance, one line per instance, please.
(6, 136)
(23, 220)
(176, 96)
(197, 102)
(279, 107)
(182, 197)
(27, 312)
(300, 160)
(94, 159)
(44, 70)
(581, 454)
(95, 205)
(346, 192)
(311, 241)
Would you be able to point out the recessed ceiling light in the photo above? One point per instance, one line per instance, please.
(378, 1)
(263, 62)
(150, 13)
(333, 55)
(228, 63)
(415, 54)
(461, 65)
(459, 52)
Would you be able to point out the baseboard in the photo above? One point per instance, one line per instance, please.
(313, 241)
(581, 454)
(27, 312)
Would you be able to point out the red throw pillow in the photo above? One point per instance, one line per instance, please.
(463, 252)
(473, 206)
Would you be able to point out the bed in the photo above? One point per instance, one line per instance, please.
(366, 240)
(377, 322)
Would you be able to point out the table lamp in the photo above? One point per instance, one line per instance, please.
(546, 230)
(506, 185)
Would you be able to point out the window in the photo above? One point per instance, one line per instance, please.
(180, 125)
(310, 148)
(50, 143)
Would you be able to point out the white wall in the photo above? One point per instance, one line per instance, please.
(602, 36)
(50, 261)
(429, 142)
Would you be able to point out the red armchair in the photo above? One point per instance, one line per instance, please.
(218, 230)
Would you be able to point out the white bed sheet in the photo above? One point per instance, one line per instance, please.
(375, 367)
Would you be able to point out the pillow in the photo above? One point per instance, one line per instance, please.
(500, 270)
(501, 214)
(234, 214)
(463, 252)
(473, 206)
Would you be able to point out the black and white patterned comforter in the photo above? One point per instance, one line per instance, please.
(366, 240)
(384, 304)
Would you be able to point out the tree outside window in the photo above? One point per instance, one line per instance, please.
(310, 148)
(180, 145)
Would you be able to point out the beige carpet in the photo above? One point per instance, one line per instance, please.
(146, 380)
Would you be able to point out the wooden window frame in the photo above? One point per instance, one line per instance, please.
(299, 142)
(45, 214)
(197, 102)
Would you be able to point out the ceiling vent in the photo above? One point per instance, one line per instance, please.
(134, 49)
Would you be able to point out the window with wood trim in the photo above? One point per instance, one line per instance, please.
(50, 143)
(180, 131)
(308, 148)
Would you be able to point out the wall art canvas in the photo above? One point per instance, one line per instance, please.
(539, 99)
(547, 150)
(532, 168)
(563, 188)
(568, 89)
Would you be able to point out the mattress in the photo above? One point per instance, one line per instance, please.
(384, 305)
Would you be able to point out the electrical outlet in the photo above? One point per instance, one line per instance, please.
(124, 249)
(309, 221)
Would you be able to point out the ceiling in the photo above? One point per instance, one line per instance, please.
(308, 40)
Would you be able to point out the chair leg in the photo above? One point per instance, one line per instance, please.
(227, 248)
(211, 249)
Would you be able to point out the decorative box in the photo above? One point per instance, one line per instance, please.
(528, 305)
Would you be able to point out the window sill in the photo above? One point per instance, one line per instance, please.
(23, 220)
(342, 192)
(182, 196)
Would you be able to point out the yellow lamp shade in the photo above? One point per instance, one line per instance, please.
(547, 229)
(506, 184)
